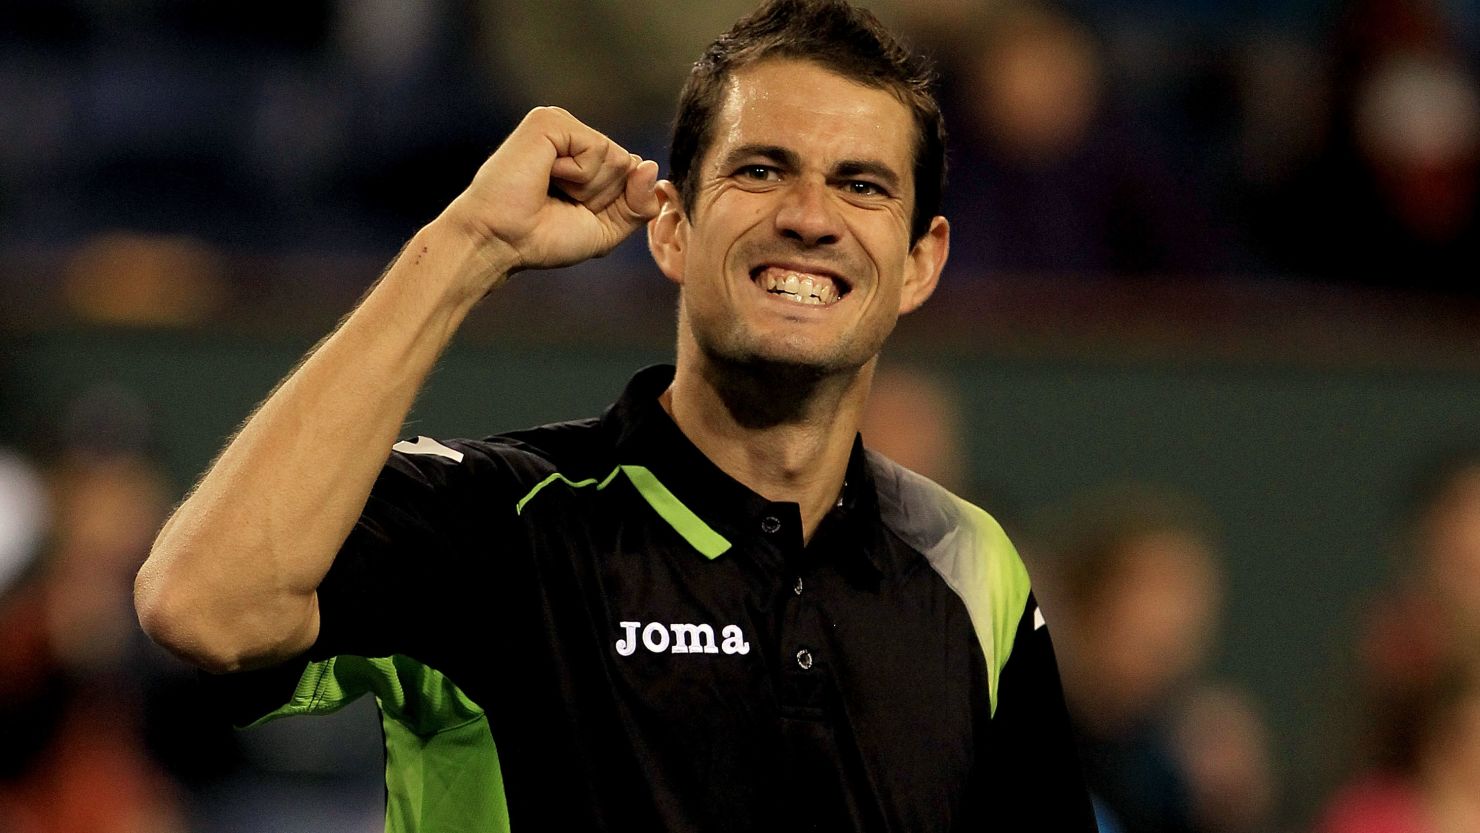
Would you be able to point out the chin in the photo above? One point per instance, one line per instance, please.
(782, 361)
(741, 348)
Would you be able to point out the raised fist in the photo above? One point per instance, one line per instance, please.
(555, 193)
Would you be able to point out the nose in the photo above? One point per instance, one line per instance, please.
(807, 214)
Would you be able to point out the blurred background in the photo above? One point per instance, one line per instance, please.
(1205, 346)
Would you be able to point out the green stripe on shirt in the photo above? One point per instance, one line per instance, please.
(683, 520)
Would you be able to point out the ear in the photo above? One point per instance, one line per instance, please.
(668, 233)
(926, 260)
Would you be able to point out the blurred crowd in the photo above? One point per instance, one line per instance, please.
(1326, 141)
(100, 730)
(1421, 656)
(1312, 141)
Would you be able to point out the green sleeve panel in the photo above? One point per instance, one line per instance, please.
(441, 766)
(449, 782)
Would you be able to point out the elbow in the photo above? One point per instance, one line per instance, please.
(156, 605)
(169, 618)
(213, 632)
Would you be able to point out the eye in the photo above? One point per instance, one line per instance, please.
(759, 173)
(864, 188)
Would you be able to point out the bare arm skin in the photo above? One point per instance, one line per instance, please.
(230, 581)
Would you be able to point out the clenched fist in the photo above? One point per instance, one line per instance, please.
(555, 193)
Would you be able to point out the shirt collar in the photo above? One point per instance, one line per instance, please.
(644, 434)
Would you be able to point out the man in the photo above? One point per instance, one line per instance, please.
(710, 609)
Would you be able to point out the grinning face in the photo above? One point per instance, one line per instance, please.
(798, 249)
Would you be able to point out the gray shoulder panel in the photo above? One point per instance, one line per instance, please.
(966, 547)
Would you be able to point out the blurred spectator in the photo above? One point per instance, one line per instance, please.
(1048, 175)
(617, 66)
(1140, 595)
(73, 758)
(1428, 619)
(180, 763)
(418, 117)
(1094, 139)
(100, 730)
(1420, 653)
(325, 123)
(1390, 197)
(1435, 789)
(1220, 740)
(915, 420)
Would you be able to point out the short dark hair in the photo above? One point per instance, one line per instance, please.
(844, 39)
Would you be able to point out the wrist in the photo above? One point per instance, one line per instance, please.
(462, 222)
(464, 260)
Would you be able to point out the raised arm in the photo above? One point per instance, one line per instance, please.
(230, 582)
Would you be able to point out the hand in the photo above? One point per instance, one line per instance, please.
(555, 193)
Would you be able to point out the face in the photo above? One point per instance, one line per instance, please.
(1157, 621)
(798, 249)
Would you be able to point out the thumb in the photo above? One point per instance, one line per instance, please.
(641, 194)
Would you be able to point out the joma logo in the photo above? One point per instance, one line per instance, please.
(681, 638)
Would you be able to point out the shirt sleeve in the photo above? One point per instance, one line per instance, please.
(1031, 778)
(406, 581)
(405, 576)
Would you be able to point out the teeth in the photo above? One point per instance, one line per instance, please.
(800, 288)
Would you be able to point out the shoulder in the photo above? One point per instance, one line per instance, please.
(934, 520)
(966, 548)
(515, 457)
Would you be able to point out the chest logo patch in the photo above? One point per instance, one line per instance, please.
(680, 638)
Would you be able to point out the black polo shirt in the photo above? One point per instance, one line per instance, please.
(589, 626)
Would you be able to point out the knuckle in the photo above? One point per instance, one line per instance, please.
(545, 115)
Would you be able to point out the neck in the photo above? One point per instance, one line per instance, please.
(785, 432)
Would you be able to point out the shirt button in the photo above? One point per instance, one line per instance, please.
(797, 588)
(769, 524)
(804, 659)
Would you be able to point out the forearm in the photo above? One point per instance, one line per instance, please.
(230, 580)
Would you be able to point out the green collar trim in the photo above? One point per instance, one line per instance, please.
(683, 520)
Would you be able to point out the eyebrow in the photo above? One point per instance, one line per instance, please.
(774, 153)
(788, 158)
